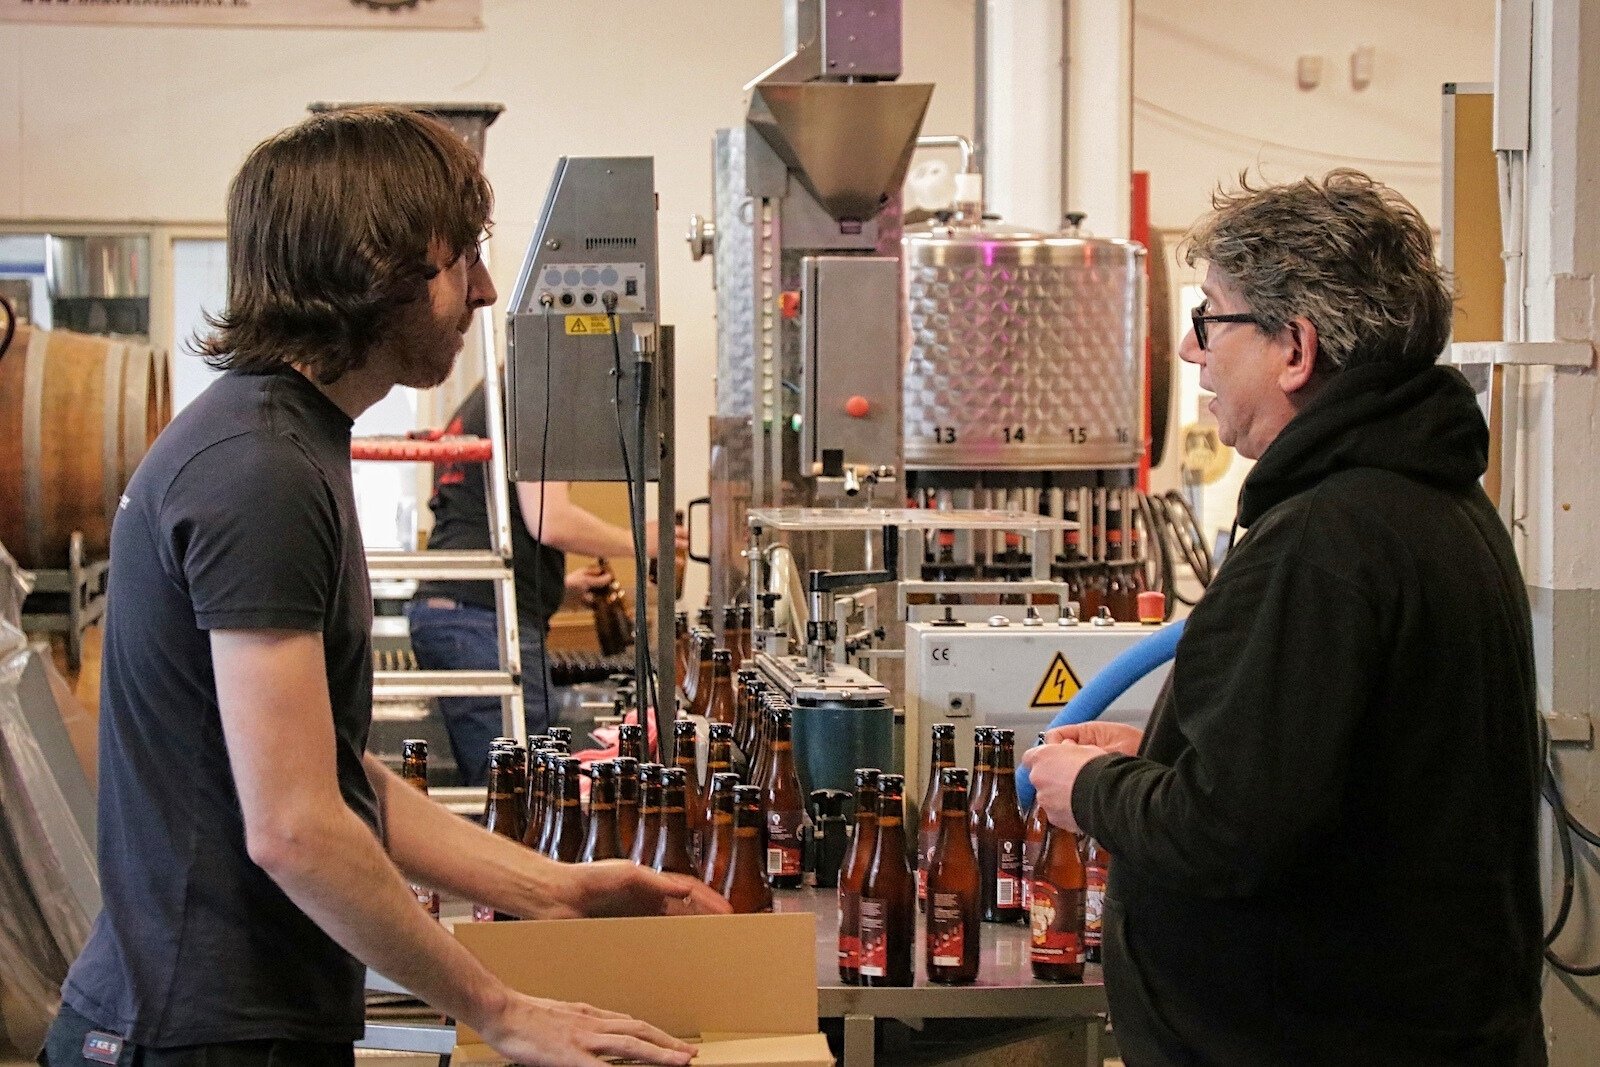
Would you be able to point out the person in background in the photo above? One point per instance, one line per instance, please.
(1325, 844)
(253, 857)
(454, 625)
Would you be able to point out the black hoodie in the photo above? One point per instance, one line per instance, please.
(1326, 849)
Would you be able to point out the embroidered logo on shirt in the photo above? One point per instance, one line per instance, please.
(100, 1047)
(124, 502)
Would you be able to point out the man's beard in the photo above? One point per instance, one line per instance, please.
(424, 348)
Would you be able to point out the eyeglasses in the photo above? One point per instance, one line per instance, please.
(1199, 318)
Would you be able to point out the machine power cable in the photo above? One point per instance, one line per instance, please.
(538, 535)
(1567, 827)
(646, 686)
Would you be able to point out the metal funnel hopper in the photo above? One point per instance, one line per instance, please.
(849, 143)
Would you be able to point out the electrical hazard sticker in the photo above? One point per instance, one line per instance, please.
(587, 324)
(1059, 685)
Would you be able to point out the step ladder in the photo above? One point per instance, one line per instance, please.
(494, 565)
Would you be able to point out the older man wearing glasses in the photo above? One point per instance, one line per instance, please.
(1324, 845)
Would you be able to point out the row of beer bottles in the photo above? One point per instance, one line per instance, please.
(694, 648)
(877, 895)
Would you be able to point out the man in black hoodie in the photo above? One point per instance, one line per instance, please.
(1325, 843)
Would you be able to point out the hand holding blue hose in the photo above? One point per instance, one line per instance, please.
(1120, 675)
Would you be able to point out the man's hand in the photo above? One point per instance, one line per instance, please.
(680, 538)
(581, 585)
(551, 1033)
(617, 887)
(1116, 737)
(1053, 769)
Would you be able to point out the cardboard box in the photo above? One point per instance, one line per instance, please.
(743, 987)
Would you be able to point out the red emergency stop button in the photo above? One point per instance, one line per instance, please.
(857, 407)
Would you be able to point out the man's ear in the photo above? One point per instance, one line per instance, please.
(1301, 365)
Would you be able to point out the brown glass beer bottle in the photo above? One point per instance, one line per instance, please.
(630, 741)
(672, 840)
(602, 842)
(705, 675)
(644, 842)
(687, 759)
(720, 709)
(887, 914)
(681, 647)
(627, 804)
(952, 937)
(567, 832)
(999, 844)
(730, 635)
(853, 870)
(554, 751)
(982, 772)
(414, 771)
(786, 809)
(719, 760)
(1032, 841)
(499, 814)
(1057, 912)
(719, 835)
(743, 886)
(1097, 867)
(942, 754)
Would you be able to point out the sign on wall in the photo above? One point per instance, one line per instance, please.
(358, 14)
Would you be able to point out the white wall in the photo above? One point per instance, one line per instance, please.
(1215, 93)
(102, 123)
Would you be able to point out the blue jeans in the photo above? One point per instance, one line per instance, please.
(447, 635)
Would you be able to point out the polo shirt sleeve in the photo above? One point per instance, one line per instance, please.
(250, 528)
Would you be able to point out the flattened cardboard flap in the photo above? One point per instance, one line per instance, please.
(689, 975)
(788, 1050)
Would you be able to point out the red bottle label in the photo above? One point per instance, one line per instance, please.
(849, 935)
(874, 927)
(946, 930)
(1057, 917)
(784, 842)
(1094, 905)
(1027, 894)
(927, 843)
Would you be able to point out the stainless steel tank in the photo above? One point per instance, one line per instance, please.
(1024, 350)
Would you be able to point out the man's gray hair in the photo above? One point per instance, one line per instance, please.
(1347, 252)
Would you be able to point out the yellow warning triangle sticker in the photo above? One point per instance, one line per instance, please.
(1059, 685)
(575, 324)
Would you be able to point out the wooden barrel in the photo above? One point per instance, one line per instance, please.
(77, 414)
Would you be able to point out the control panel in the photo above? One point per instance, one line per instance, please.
(582, 287)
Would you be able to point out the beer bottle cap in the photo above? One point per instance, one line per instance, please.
(723, 780)
(866, 776)
(627, 766)
(414, 748)
(721, 731)
(943, 730)
(672, 776)
(722, 655)
(683, 728)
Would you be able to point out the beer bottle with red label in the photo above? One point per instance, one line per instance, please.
(644, 843)
(952, 938)
(999, 844)
(1097, 864)
(567, 833)
(1057, 913)
(743, 886)
(941, 755)
(982, 773)
(499, 814)
(887, 917)
(672, 842)
(853, 871)
(414, 771)
(1032, 842)
(786, 809)
(627, 803)
(719, 835)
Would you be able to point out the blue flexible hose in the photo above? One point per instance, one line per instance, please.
(1120, 675)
